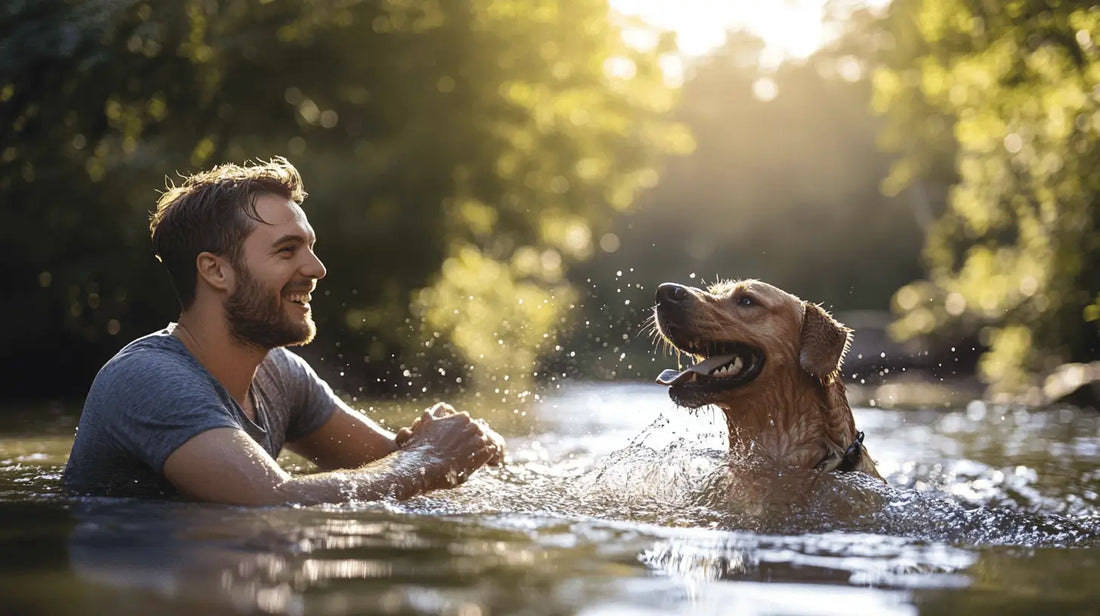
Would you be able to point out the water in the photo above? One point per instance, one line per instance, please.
(614, 502)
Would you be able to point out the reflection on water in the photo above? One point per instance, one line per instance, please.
(837, 558)
(614, 502)
(270, 559)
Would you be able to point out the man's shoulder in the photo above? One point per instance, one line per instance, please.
(161, 341)
(158, 357)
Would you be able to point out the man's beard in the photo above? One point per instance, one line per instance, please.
(258, 318)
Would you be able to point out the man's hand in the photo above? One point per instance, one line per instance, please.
(456, 444)
(440, 409)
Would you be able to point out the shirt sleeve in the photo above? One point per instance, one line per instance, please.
(311, 400)
(160, 403)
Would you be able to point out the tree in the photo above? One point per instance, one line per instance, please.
(783, 185)
(1009, 88)
(459, 156)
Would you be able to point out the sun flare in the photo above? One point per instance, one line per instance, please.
(789, 28)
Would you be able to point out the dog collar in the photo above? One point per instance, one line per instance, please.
(849, 461)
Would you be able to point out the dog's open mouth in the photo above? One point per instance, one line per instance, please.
(723, 366)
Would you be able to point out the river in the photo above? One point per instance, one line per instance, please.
(613, 502)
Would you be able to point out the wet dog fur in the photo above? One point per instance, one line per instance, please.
(782, 396)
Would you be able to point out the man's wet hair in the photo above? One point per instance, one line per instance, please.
(214, 211)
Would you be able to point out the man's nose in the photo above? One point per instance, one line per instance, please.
(670, 292)
(314, 268)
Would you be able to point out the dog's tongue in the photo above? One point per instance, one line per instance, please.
(672, 377)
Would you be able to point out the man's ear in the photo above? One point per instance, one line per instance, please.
(824, 343)
(214, 270)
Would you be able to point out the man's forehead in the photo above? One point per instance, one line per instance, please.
(280, 216)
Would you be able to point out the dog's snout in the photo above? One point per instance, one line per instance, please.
(671, 292)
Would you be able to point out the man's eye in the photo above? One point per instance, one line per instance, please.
(286, 250)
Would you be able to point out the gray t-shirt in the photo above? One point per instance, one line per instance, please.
(154, 396)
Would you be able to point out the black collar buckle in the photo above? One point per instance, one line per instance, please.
(852, 456)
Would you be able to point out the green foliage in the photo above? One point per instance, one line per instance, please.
(1016, 256)
(460, 156)
(785, 189)
(775, 184)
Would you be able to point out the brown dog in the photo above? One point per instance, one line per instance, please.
(771, 363)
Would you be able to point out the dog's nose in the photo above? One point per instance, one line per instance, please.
(672, 292)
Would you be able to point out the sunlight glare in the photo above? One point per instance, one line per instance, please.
(789, 28)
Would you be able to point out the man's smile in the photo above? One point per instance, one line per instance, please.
(300, 298)
(299, 294)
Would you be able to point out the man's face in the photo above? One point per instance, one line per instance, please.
(269, 304)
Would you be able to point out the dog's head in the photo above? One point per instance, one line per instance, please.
(745, 334)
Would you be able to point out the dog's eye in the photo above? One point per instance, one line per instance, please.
(746, 300)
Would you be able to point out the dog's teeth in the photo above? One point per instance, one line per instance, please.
(736, 366)
(731, 369)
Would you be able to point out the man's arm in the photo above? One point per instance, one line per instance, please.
(347, 440)
(224, 465)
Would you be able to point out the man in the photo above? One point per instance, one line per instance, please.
(203, 407)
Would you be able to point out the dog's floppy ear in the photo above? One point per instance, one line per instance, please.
(824, 343)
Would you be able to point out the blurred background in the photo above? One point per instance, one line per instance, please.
(498, 186)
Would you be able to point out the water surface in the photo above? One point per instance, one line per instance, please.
(614, 502)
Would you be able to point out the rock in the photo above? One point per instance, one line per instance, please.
(1077, 384)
